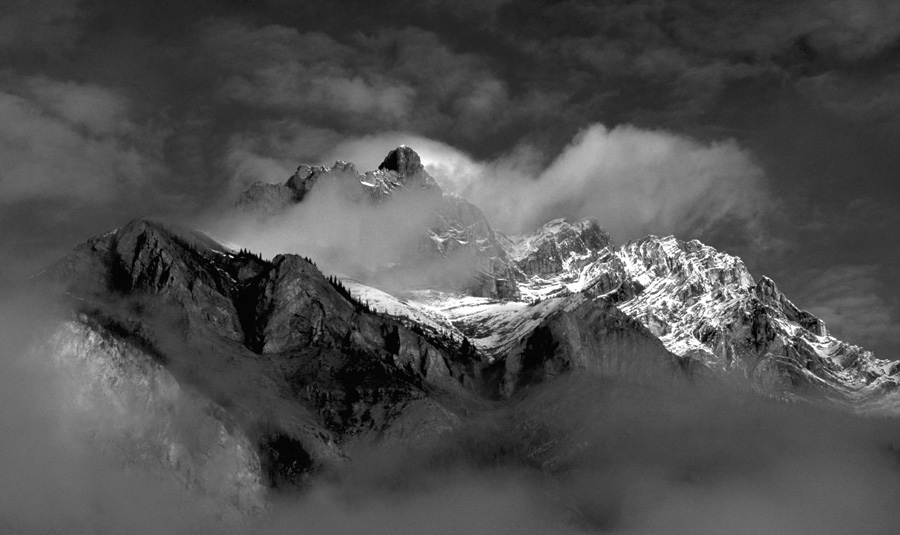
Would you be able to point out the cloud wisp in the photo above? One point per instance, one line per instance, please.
(69, 141)
(634, 181)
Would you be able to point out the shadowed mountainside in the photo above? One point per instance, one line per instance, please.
(296, 367)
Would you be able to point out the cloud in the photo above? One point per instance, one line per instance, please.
(76, 162)
(56, 481)
(47, 25)
(576, 455)
(98, 110)
(634, 181)
(639, 181)
(374, 81)
(851, 29)
(860, 100)
(273, 151)
(850, 300)
(69, 141)
(380, 244)
(277, 67)
(678, 60)
(609, 457)
(486, 504)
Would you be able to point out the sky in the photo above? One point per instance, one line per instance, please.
(768, 129)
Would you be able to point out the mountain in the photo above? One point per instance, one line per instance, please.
(437, 229)
(287, 368)
(247, 376)
(705, 305)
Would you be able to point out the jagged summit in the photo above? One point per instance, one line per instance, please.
(404, 160)
(292, 370)
(404, 166)
(557, 245)
(401, 171)
(442, 228)
(703, 304)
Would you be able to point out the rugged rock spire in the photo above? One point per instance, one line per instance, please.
(404, 161)
(405, 164)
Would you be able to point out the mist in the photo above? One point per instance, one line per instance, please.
(574, 455)
(387, 244)
(634, 181)
(583, 455)
(58, 477)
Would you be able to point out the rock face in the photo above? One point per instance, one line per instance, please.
(298, 363)
(245, 376)
(406, 164)
(704, 305)
(284, 368)
(591, 336)
(559, 246)
(453, 238)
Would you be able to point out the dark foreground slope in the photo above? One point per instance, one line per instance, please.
(284, 368)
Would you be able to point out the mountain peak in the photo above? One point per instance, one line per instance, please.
(404, 161)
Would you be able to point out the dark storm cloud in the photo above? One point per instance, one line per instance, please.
(71, 141)
(690, 51)
(44, 25)
(400, 80)
(275, 67)
(859, 100)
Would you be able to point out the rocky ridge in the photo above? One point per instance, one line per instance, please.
(289, 368)
(283, 371)
(705, 305)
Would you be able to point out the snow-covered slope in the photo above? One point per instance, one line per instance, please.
(702, 304)
(705, 305)
(551, 261)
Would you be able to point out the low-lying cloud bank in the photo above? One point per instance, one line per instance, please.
(576, 455)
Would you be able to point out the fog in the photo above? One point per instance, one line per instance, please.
(55, 479)
(581, 455)
(635, 181)
(386, 245)
(575, 455)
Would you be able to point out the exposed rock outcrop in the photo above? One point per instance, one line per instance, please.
(294, 361)
(591, 336)
(559, 246)
(705, 305)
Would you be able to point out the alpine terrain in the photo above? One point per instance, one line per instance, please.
(426, 331)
